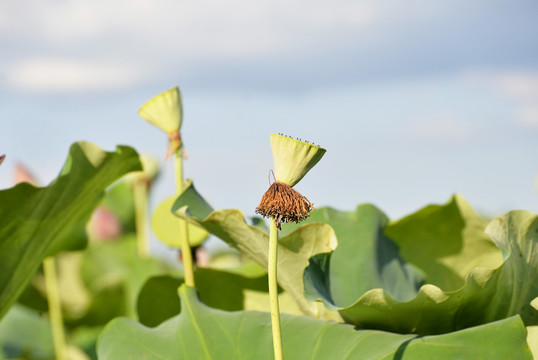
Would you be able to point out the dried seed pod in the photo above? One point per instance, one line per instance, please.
(284, 203)
(293, 158)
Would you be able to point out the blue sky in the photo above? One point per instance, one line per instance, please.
(413, 100)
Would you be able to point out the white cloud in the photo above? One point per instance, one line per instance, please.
(520, 86)
(441, 126)
(70, 75)
(523, 87)
(159, 35)
(203, 27)
(528, 115)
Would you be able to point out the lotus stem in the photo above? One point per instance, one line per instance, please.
(140, 195)
(292, 158)
(185, 248)
(273, 289)
(55, 309)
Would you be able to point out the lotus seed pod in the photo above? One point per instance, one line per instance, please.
(165, 111)
(293, 158)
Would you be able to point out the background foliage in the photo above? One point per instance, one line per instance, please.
(439, 283)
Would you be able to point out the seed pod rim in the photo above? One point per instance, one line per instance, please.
(293, 158)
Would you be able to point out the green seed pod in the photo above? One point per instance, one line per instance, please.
(165, 111)
(293, 158)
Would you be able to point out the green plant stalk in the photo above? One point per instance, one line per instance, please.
(273, 289)
(55, 309)
(140, 194)
(185, 248)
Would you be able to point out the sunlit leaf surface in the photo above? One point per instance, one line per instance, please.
(37, 222)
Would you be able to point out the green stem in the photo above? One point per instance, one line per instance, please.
(140, 194)
(188, 267)
(55, 309)
(273, 289)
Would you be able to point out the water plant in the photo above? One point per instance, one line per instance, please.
(22, 174)
(36, 223)
(441, 282)
(165, 111)
(292, 159)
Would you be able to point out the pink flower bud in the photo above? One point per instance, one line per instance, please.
(22, 174)
(104, 225)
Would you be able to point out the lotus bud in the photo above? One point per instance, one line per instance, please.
(104, 225)
(165, 111)
(150, 170)
(2, 157)
(22, 174)
(293, 158)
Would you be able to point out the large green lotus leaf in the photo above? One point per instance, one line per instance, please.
(38, 222)
(487, 295)
(294, 250)
(158, 300)
(516, 235)
(446, 241)
(365, 258)
(200, 332)
(24, 332)
(244, 289)
(33, 298)
(532, 340)
(166, 226)
(119, 200)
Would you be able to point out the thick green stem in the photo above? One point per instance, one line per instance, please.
(273, 289)
(55, 309)
(140, 194)
(188, 267)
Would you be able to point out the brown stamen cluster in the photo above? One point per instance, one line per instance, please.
(284, 203)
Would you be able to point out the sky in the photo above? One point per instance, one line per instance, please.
(414, 101)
